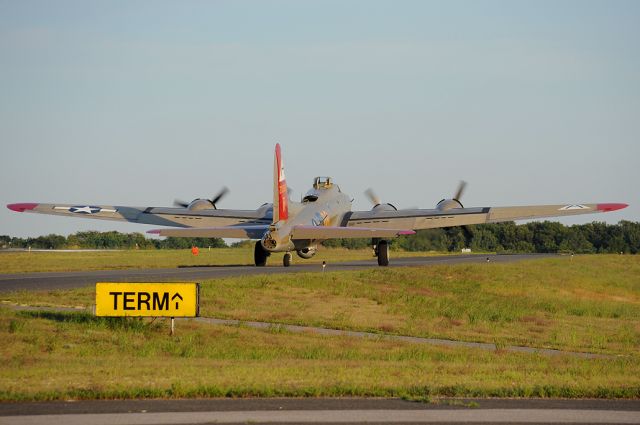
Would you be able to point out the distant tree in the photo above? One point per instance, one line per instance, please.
(18, 243)
(425, 240)
(47, 242)
(456, 238)
(596, 233)
(243, 244)
(546, 235)
(357, 243)
(484, 239)
(186, 243)
(576, 241)
(631, 232)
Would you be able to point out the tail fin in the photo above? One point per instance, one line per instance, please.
(280, 195)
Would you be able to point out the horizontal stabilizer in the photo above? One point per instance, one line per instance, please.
(241, 232)
(328, 232)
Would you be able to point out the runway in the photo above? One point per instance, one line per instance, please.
(70, 280)
(322, 411)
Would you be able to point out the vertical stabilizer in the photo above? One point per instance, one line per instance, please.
(280, 195)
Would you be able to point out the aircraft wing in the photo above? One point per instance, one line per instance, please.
(433, 218)
(158, 216)
(331, 232)
(298, 232)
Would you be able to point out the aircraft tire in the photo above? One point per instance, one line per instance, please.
(286, 260)
(383, 253)
(260, 255)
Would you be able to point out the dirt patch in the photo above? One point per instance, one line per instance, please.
(426, 292)
(538, 321)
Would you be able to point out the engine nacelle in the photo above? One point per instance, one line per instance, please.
(447, 204)
(201, 204)
(384, 207)
(307, 252)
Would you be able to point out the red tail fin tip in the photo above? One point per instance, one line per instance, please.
(283, 197)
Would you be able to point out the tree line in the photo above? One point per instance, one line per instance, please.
(107, 240)
(546, 237)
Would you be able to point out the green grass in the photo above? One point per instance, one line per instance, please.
(53, 356)
(43, 261)
(589, 304)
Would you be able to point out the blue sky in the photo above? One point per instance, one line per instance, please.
(141, 102)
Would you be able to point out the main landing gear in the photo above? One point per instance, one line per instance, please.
(260, 255)
(381, 250)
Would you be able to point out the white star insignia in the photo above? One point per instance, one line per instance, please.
(86, 210)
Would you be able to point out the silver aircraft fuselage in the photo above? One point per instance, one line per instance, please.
(323, 205)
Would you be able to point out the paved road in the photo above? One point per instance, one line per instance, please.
(68, 280)
(321, 411)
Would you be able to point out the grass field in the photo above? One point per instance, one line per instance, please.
(590, 304)
(71, 355)
(43, 261)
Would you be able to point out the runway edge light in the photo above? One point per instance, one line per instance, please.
(144, 299)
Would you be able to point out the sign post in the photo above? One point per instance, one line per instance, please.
(148, 300)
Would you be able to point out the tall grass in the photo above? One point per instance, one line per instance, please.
(590, 303)
(54, 356)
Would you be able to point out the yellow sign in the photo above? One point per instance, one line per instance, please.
(147, 299)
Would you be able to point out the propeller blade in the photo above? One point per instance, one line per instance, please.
(179, 203)
(220, 195)
(460, 190)
(372, 196)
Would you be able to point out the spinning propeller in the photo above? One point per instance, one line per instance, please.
(447, 204)
(377, 203)
(200, 204)
(375, 200)
(460, 191)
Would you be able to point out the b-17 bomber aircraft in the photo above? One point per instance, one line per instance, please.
(324, 213)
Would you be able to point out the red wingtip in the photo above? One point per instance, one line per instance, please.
(406, 232)
(154, 231)
(22, 207)
(611, 207)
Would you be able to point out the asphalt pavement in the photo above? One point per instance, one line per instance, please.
(322, 411)
(69, 280)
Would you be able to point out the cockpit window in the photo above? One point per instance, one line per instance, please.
(309, 198)
(322, 183)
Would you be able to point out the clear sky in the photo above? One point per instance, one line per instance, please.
(141, 102)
